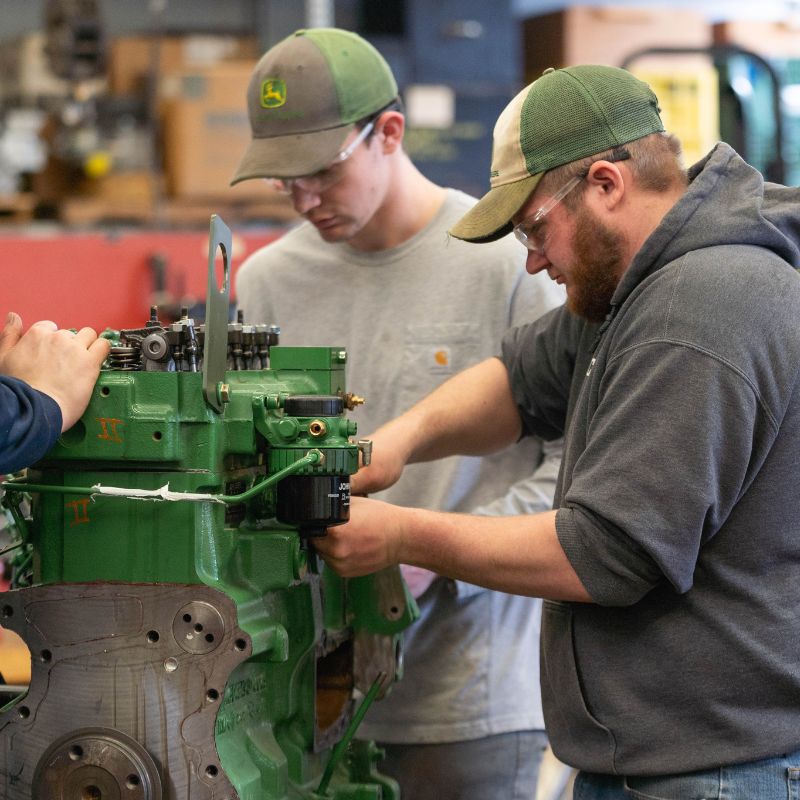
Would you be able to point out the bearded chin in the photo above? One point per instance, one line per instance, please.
(598, 265)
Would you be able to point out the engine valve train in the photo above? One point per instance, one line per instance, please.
(186, 642)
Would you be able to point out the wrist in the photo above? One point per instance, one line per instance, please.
(413, 536)
(408, 434)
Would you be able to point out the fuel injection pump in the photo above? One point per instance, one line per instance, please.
(186, 642)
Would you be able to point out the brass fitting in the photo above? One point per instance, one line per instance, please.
(352, 400)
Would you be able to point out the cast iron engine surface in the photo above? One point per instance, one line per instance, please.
(187, 643)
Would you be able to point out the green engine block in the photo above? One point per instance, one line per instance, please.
(186, 642)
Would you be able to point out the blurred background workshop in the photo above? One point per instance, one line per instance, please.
(122, 124)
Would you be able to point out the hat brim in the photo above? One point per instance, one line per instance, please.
(290, 156)
(490, 218)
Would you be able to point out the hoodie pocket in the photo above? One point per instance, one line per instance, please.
(577, 736)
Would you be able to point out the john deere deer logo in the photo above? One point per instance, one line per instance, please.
(273, 93)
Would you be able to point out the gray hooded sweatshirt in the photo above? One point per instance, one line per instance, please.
(679, 494)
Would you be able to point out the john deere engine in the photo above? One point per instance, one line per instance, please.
(186, 642)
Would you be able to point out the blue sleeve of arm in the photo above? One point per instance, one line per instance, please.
(30, 424)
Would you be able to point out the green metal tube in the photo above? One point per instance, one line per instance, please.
(341, 746)
(310, 458)
(17, 515)
(10, 548)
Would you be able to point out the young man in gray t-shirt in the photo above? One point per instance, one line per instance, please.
(371, 267)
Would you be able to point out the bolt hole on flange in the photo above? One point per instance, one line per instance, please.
(212, 771)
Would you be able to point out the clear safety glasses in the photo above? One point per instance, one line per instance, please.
(324, 178)
(530, 232)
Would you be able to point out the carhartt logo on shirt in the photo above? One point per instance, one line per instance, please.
(439, 359)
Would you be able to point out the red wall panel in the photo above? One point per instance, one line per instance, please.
(105, 280)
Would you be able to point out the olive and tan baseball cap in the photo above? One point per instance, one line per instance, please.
(305, 95)
(565, 115)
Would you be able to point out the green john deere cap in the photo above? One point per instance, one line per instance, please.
(304, 96)
(563, 116)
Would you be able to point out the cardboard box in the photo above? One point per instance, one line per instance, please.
(136, 187)
(609, 35)
(206, 131)
(767, 39)
(131, 58)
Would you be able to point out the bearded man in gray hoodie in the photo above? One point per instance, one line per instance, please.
(671, 618)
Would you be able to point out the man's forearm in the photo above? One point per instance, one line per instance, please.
(473, 413)
(518, 555)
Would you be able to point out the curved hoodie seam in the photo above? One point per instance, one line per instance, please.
(711, 354)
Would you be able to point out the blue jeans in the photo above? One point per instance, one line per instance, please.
(769, 779)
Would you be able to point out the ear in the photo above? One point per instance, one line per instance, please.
(390, 128)
(606, 184)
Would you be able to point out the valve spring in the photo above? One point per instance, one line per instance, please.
(125, 359)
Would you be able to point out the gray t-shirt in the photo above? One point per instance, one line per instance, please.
(411, 317)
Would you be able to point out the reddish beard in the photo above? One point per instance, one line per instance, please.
(597, 269)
